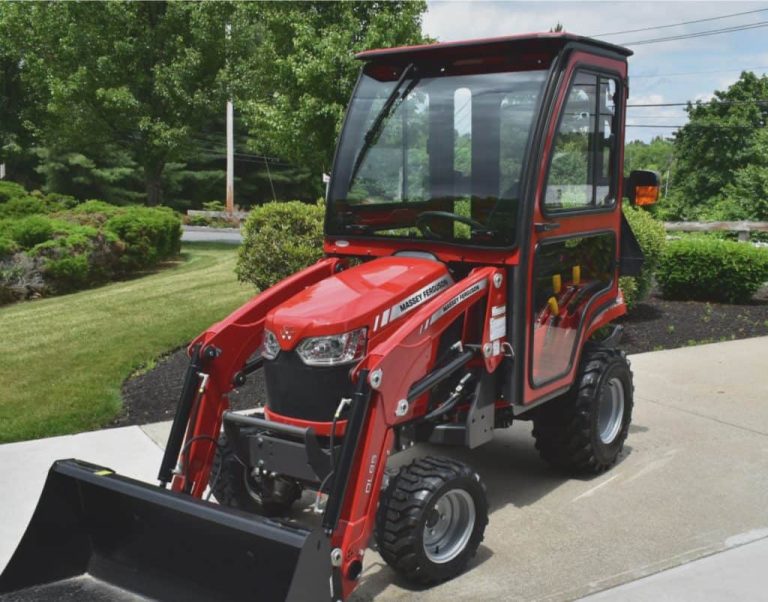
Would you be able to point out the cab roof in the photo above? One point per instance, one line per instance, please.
(548, 43)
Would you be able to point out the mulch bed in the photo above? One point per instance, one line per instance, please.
(656, 324)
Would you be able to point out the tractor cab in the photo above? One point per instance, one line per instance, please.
(474, 241)
(503, 152)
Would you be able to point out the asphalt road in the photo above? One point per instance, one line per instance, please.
(202, 234)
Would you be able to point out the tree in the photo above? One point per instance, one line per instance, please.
(125, 99)
(719, 140)
(747, 196)
(122, 85)
(294, 90)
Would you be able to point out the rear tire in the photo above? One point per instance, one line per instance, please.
(584, 430)
(233, 486)
(431, 519)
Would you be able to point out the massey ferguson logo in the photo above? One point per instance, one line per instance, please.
(411, 302)
(286, 333)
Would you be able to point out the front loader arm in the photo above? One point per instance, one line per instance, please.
(384, 378)
(218, 359)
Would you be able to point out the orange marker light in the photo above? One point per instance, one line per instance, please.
(646, 195)
(576, 274)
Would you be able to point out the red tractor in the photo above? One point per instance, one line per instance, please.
(474, 241)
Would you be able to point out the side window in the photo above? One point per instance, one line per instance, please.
(581, 172)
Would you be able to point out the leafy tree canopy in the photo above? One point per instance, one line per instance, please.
(120, 93)
(722, 138)
(294, 90)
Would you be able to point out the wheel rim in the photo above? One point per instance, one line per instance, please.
(252, 488)
(611, 411)
(449, 526)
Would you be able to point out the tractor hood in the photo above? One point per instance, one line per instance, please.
(376, 295)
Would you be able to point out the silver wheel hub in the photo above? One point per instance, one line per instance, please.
(449, 526)
(610, 416)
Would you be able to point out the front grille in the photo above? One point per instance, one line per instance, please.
(305, 392)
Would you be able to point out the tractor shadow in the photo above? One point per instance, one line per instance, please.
(514, 475)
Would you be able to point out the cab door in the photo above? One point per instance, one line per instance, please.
(573, 267)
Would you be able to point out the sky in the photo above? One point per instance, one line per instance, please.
(662, 72)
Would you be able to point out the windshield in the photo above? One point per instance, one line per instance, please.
(434, 156)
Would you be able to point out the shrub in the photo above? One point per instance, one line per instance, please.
(79, 258)
(60, 201)
(10, 190)
(31, 230)
(24, 205)
(279, 239)
(710, 269)
(68, 273)
(93, 206)
(651, 236)
(8, 247)
(149, 234)
(214, 206)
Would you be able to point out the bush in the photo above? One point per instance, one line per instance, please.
(68, 273)
(710, 269)
(29, 231)
(92, 206)
(10, 190)
(214, 206)
(149, 234)
(24, 205)
(279, 239)
(651, 236)
(8, 247)
(76, 247)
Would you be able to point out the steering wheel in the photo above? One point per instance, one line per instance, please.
(424, 216)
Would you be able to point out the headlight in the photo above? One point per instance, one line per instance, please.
(335, 349)
(269, 346)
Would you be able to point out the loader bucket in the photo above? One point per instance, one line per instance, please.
(98, 536)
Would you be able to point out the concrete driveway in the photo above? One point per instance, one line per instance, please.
(693, 481)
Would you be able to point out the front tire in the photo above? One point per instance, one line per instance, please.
(232, 485)
(584, 430)
(431, 519)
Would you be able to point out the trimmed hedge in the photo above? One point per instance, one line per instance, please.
(55, 244)
(279, 239)
(711, 269)
(651, 236)
(149, 234)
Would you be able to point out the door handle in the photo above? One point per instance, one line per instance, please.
(546, 226)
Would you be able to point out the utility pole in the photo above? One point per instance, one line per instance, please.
(230, 146)
(230, 161)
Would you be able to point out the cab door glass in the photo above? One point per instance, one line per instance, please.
(584, 154)
(567, 276)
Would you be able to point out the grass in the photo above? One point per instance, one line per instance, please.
(65, 358)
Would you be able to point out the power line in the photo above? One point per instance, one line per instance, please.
(616, 33)
(760, 101)
(646, 75)
(699, 34)
(710, 126)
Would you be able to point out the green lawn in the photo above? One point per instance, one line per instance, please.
(64, 358)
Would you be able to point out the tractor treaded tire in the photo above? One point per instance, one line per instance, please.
(565, 428)
(229, 487)
(403, 511)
